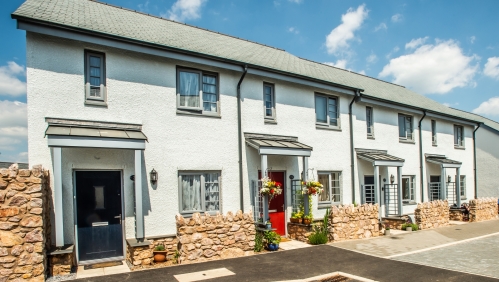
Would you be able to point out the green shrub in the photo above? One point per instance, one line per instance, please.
(271, 237)
(320, 235)
(159, 248)
(414, 226)
(258, 242)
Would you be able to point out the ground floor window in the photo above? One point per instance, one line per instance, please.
(408, 183)
(199, 192)
(462, 183)
(332, 187)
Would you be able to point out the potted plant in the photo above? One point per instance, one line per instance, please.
(159, 253)
(268, 225)
(312, 187)
(272, 240)
(307, 219)
(296, 217)
(387, 230)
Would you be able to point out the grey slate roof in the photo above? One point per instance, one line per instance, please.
(94, 132)
(119, 22)
(376, 156)
(442, 161)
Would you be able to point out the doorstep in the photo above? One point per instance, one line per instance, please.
(82, 273)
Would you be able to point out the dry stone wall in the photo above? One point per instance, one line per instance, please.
(143, 255)
(432, 214)
(483, 209)
(300, 232)
(350, 222)
(23, 221)
(456, 214)
(204, 238)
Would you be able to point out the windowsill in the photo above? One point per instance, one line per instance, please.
(189, 214)
(325, 127)
(434, 145)
(371, 137)
(270, 121)
(459, 147)
(95, 103)
(407, 141)
(411, 203)
(198, 113)
(326, 205)
(464, 198)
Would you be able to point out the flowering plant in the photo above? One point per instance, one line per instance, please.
(270, 188)
(312, 187)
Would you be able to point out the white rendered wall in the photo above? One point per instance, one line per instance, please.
(487, 155)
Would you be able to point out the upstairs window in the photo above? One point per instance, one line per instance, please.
(269, 101)
(369, 122)
(433, 132)
(95, 78)
(405, 128)
(327, 111)
(458, 136)
(197, 91)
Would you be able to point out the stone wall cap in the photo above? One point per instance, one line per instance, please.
(67, 249)
(158, 237)
(133, 242)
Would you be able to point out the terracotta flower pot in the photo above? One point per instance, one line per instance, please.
(159, 256)
(307, 221)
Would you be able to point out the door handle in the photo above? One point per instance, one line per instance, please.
(118, 216)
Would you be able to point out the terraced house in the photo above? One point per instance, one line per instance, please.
(139, 118)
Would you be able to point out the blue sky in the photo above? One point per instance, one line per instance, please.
(448, 51)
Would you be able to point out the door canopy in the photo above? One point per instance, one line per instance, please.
(277, 145)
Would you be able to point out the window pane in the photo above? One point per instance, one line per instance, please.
(462, 184)
(189, 89)
(406, 193)
(209, 79)
(267, 90)
(94, 71)
(332, 111)
(94, 81)
(325, 195)
(95, 92)
(95, 61)
(408, 127)
(335, 187)
(212, 192)
(191, 192)
(369, 121)
(208, 88)
(402, 126)
(320, 109)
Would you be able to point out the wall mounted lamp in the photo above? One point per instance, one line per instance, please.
(392, 178)
(153, 176)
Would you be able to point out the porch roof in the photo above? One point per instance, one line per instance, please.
(267, 144)
(379, 157)
(94, 132)
(443, 161)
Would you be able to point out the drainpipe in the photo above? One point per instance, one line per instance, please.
(474, 158)
(240, 138)
(421, 156)
(352, 161)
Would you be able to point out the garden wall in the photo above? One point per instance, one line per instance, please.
(483, 209)
(204, 238)
(143, 255)
(24, 201)
(432, 214)
(350, 222)
(300, 232)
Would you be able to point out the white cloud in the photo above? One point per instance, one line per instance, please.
(13, 130)
(342, 64)
(371, 59)
(395, 50)
(397, 18)
(416, 43)
(144, 7)
(185, 10)
(296, 1)
(472, 39)
(339, 37)
(10, 84)
(363, 72)
(489, 107)
(492, 68)
(437, 68)
(293, 30)
(380, 27)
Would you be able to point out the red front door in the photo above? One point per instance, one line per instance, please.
(276, 207)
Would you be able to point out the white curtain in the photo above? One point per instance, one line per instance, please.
(189, 89)
(191, 192)
(212, 192)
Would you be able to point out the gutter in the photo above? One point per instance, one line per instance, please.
(421, 156)
(352, 161)
(474, 158)
(240, 138)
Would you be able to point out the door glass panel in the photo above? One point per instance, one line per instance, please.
(99, 197)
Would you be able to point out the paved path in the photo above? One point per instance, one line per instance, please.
(388, 246)
(300, 264)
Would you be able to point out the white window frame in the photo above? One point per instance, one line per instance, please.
(203, 191)
(370, 117)
(330, 181)
(93, 100)
(406, 138)
(412, 189)
(434, 132)
(328, 122)
(272, 117)
(462, 186)
(460, 143)
(200, 109)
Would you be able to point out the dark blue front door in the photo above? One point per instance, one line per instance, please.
(98, 204)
